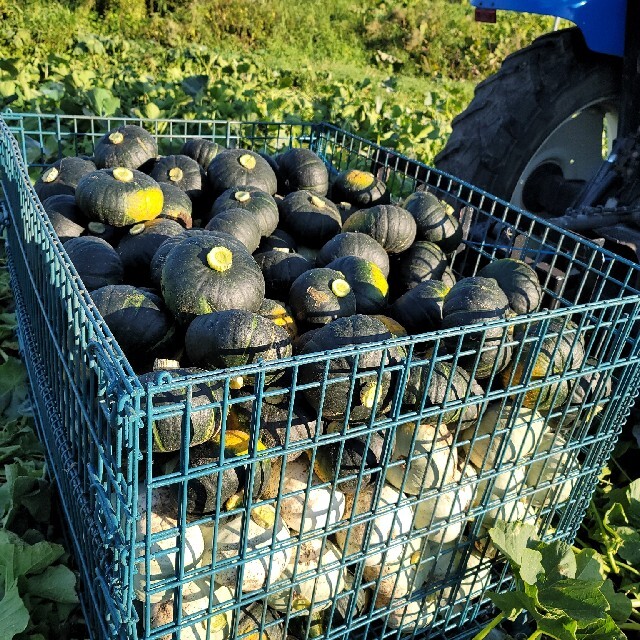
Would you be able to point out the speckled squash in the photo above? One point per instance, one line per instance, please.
(302, 170)
(205, 423)
(434, 222)
(65, 216)
(371, 390)
(420, 309)
(423, 261)
(367, 282)
(280, 270)
(393, 227)
(96, 261)
(119, 196)
(176, 205)
(359, 188)
(62, 177)
(319, 296)
(139, 245)
(201, 150)
(240, 168)
(181, 171)
(140, 323)
(240, 224)
(355, 244)
(518, 280)
(259, 203)
(210, 272)
(309, 218)
(128, 146)
(236, 338)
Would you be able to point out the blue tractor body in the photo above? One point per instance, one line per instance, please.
(602, 22)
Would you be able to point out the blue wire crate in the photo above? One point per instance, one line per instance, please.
(399, 556)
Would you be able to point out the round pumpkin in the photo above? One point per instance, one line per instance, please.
(96, 261)
(280, 270)
(371, 390)
(280, 240)
(201, 150)
(176, 205)
(393, 227)
(355, 244)
(434, 223)
(119, 196)
(240, 168)
(359, 188)
(319, 296)
(240, 224)
(181, 171)
(139, 245)
(139, 322)
(423, 261)
(259, 203)
(518, 280)
(128, 146)
(367, 282)
(65, 216)
(205, 423)
(309, 218)
(62, 177)
(210, 272)
(420, 309)
(302, 170)
(236, 338)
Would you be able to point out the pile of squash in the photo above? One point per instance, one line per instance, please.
(215, 258)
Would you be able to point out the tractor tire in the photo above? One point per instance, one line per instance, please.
(548, 105)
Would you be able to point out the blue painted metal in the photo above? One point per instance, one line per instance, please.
(601, 21)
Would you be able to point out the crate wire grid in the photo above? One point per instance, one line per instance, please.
(98, 444)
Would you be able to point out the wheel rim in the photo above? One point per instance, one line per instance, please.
(577, 146)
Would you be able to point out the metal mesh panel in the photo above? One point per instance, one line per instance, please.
(406, 507)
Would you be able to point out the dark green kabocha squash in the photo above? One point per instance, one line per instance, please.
(140, 323)
(371, 390)
(434, 222)
(321, 295)
(183, 172)
(280, 315)
(96, 261)
(259, 203)
(343, 469)
(65, 216)
(367, 282)
(562, 350)
(210, 272)
(420, 309)
(518, 280)
(106, 232)
(202, 490)
(240, 168)
(393, 227)
(240, 224)
(128, 146)
(280, 269)
(139, 245)
(236, 338)
(205, 415)
(176, 205)
(355, 244)
(201, 150)
(302, 170)
(62, 177)
(279, 239)
(119, 196)
(359, 188)
(309, 218)
(423, 261)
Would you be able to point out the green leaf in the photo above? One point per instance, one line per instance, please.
(56, 583)
(14, 616)
(581, 601)
(619, 605)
